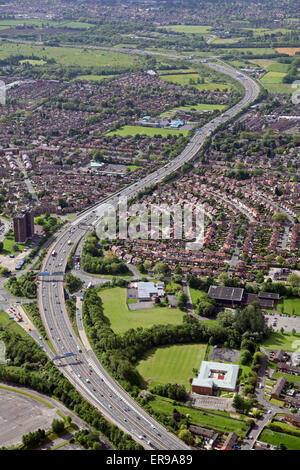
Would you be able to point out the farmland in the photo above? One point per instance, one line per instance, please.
(69, 56)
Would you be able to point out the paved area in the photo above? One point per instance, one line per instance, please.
(287, 322)
(20, 414)
(224, 354)
(211, 403)
(140, 305)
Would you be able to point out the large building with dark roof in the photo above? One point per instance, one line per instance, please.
(236, 296)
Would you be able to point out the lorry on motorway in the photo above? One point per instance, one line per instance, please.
(89, 285)
(53, 253)
(19, 317)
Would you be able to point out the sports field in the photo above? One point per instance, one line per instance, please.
(172, 364)
(122, 319)
(184, 80)
(277, 438)
(285, 341)
(150, 131)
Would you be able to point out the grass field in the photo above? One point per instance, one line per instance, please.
(43, 23)
(69, 56)
(122, 319)
(273, 77)
(189, 29)
(150, 131)
(172, 364)
(215, 420)
(11, 324)
(94, 78)
(276, 438)
(196, 294)
(196, 107)
(8, 244)
(184, 80)
(290, 306)
(285, 341)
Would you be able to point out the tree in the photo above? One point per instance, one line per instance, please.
(186, 436)
(182, 299)
(57, 426)
(293, 280)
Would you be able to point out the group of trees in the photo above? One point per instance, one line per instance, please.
(23, 286)
(29, 366)
(96, 262)
(174, 391)
(73, 283)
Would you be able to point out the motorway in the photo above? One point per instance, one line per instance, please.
(84, 371)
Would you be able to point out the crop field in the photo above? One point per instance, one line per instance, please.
(68, 56)
(172, 364)
(122, 319)
(150, 131)
(272, 77)
(287, 50)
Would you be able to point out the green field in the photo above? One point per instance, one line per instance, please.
(122, 319)
(150, 131)
(273, 77)
(184, 80)
(43, 23)
(8, 244)
(189, 29)
(276, 438)
(172, 364)
(195, 107)
(94, 78)
(68, 56)
(285, 341)
(11, 324)
(215, 420)
(290, 306)
(197, 294)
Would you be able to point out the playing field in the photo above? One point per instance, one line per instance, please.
(172, 364)
(285, 341)
(150, 131)
(277, 438)
(184, 80)
(122, 319)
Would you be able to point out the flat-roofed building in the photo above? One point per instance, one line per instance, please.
(215, 375)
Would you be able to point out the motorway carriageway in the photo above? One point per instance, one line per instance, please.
(100, 389)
